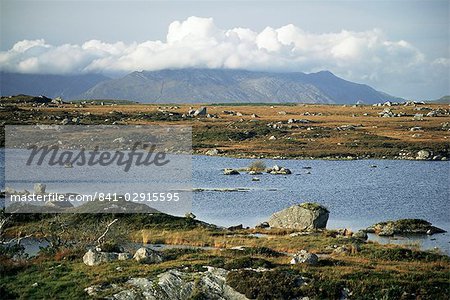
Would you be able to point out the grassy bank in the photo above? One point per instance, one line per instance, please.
(368, 271)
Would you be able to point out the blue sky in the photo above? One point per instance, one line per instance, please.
(400, 47)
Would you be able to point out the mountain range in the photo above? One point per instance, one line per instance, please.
(197, 86)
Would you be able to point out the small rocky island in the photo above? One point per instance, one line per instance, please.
(404, 227)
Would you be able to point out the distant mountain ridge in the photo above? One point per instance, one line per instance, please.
(66, 86)
(215, 86)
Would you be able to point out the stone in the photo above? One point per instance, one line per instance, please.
(304, 257)
(94, 258)
(230, 172)
(305, 216)
(423, 155)
(272, 138)
(39, 188)
(177, 285)
(237, 227)
(361, 234)
(263, 225)
(190, 215)
(124, 256)
(200, 112)
(212, 152)
(148, 256)
(277, 170)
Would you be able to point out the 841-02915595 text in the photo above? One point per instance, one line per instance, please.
(139, 197)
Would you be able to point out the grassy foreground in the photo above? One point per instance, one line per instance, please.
(367, 270)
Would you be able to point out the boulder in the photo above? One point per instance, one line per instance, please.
(305, 216)
(361, 234)
(146, 255)
(230, 172)
(277, 170)
(304, 257)
(39, 188)
(200, 112)
(177, 285)
(212, 152)
(94, 258)
(124, 256)
(423, 155)
(263, 225)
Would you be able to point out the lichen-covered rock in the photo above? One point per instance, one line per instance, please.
(277, 170)
(361, 234)
(304, 257)
(404, 226)
(424, 155)
(177, 285)
(94, 258)
(148, 256)
(305, 216)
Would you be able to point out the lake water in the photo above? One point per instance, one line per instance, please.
(356, 193)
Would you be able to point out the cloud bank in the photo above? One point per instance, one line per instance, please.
(367, 56)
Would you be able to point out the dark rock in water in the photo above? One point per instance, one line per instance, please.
(404, 226)
(230, 172)
(305, 216)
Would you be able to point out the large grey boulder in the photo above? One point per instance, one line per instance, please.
(148, 256)
(305, 216)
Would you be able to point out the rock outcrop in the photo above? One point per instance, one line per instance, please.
(404, 226)
(277, 170)
(175, 285)
(304, 257)
(147, 256)
(230, 172)
(94, 257)
(305, 216)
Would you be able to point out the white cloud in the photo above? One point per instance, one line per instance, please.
(367, 56)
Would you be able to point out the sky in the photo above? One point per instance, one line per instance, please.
(400, 47)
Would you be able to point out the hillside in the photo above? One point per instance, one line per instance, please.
(197, 85)
(66, 86)
(232, 86)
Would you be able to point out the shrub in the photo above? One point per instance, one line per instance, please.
(257, 166)
(248, 262)
(277, 284)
